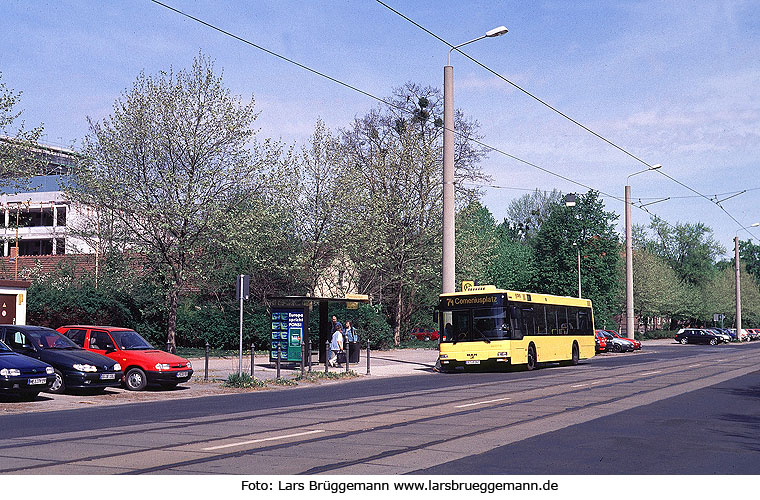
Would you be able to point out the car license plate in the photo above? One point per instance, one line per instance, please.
(181, 374)
(37, 381)
(108, 376)
(472, 362)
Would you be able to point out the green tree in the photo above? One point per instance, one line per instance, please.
(655, 286)
(174, 164)
(688, 248)
(476, 243)
(749, 253)
(591, 228)
(529, 211)
(395, 197)
(18, 162)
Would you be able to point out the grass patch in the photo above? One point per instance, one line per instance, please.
(242, 381)
(200, 352)
(282, 381)
(316, 376)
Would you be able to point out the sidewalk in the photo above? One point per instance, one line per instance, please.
(390, 363)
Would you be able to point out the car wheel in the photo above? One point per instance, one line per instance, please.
(684, 340)
(532, 361)
(576, 355)
(135, 379)
(28, 395)
(713, 341)
(616, 348)
(58, 385)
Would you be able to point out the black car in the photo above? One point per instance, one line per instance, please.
(22, 375)
(74, 367)
(697, 336)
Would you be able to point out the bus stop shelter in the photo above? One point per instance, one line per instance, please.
(322, 303)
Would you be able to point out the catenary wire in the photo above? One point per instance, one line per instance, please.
(393, 105)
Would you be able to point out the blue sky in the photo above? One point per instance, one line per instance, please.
(675, 83)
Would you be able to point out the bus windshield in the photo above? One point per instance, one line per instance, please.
(475, 324)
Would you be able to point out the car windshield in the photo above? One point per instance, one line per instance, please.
(4, 348)
(129, 340)
(47, 339)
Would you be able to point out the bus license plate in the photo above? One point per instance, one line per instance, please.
(472, 362)
(181, 374)
(37, 381)
(108, 376)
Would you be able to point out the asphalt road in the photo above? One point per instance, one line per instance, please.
(670, 409)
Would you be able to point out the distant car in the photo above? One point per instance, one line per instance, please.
(143, 364)
(636, 343)
(698, 336)
(73, 367)
(22, 375)
(753, 333)
(600, 341)
(424, 334)
(615, 344)
(720, 333)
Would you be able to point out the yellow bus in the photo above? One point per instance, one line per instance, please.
(497, 328)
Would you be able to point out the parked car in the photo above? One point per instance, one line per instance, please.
(600, 341)
(73, 367)
(143, 364)
(753, 333)
(636, 343)
(22, 375)
(615, 344)
(424, 334)
(698, 336)
(725, 336)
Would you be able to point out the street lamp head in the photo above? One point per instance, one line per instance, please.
(501, 30)
(655, 167)
(755, 224)
(570, 200)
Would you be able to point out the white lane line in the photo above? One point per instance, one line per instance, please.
(594, 383)
(253, 441)
(651, 373)
(718, 360)
(694, 366)
(579, 385)
(482, 402)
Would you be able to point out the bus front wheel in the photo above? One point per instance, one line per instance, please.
(576, 355)
(531, 357)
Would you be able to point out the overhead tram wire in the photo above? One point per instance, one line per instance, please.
(564, 115)
(365, 93)
(395, 106)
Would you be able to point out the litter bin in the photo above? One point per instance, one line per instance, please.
(354, 349)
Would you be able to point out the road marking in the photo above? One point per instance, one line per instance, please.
(594, 383)
(579, 385)
(253, 441)
(482, 402)
(651, 373)
(718, 360)
(694, 366)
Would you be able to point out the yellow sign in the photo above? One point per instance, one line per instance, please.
(352, 305)
(358, 296)
(466, 285)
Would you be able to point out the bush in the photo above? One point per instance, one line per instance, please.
(242, 381)
(657, 334)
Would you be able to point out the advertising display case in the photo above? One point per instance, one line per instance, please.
(289, 331)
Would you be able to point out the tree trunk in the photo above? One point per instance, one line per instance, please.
(397, 328)
(171, 337)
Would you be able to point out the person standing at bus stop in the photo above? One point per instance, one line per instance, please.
(336, 345)
(335, 324)
(350, 332)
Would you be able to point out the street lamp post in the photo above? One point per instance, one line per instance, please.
(629, 254)
(448, 165)
(738, 282)
(579, 268)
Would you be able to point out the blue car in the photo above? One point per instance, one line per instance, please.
(23, 376)
(73, 367)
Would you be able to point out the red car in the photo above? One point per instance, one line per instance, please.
(424, 334)
(142, 363)
(601, 341)
(636, 343)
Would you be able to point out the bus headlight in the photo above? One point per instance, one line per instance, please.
(503, 354)
(444, 356)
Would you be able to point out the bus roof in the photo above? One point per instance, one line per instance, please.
(512, 295)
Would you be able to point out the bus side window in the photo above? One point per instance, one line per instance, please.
(515, 318)
(528, 321)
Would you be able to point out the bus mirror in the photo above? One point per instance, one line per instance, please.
(435, 316)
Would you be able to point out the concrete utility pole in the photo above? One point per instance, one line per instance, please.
(629, 326)
(738, 282)
(449, 262)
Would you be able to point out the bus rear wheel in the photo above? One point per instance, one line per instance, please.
(531, 364)
(576, 355)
